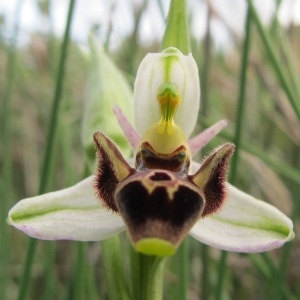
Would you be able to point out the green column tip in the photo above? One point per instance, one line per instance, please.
(155, 247)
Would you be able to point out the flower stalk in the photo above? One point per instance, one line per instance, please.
(147, 276)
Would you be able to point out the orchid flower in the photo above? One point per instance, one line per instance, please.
(160, 194)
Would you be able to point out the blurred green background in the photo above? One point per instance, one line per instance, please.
(269, 157)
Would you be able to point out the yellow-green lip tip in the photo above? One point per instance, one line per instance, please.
(155, 246)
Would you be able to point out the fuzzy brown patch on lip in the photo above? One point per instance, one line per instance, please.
(112, 168)
(148, 158)
(166, 208)
(211, 177)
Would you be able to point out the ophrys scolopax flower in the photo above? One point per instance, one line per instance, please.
(160, 194)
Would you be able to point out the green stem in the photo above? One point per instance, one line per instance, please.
(275, 62)
(60, 76)
(136, 276)
(205, 74)
(237, 139)
(79, 281)
(221, 275)
(27, 269)
(290, 60)
(205, 288)
(286, 251)
(49, 285)
(91, 284)
(117, 287)
(204, 82)
(152, 277)
(146, 276)
(265, 265)
(182, 259)
(239, 115)
(49, 146)
(177, 32)
(7, 171)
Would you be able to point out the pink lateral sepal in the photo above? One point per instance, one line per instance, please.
(199, 141)
(131, 134)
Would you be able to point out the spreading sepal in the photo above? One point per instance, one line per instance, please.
(244, 224)
(73, 213)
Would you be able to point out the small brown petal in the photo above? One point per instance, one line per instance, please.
(211, 177)
(112, 168)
